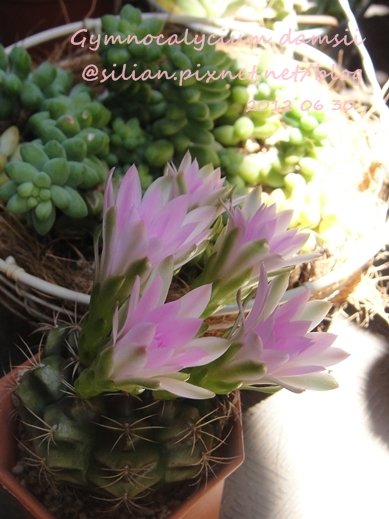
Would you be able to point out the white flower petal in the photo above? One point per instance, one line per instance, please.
(180, 388)
(314, 381)
(214, 347)
(315, 311)
(278, 288)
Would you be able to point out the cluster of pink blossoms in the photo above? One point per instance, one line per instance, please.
(240, 250)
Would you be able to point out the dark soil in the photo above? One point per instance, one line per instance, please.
(66, 502)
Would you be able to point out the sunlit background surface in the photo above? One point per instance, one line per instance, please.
(320, 455)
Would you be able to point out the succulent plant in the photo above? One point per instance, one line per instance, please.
(218, 118)
(161, 120)
(132, 399)
(14, 69)
(23, 88)
(44, 175)
(63, 162)
(47, 179)
(219, 121)
(44, 82)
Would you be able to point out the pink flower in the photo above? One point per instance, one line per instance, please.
(277, 334)
(255, 222)
(124, 234)
(149, 229)
(203, 186)
(157, 340)
(255, 234)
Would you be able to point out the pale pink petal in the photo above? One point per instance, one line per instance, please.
(183, 389)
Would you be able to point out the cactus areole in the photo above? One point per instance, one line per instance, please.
(136, 399)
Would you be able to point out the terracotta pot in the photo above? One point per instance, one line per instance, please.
(21, 18)
(204, 504)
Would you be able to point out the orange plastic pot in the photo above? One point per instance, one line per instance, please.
(204, 504)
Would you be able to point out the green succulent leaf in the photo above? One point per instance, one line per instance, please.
(54, 150)
(77, 207)
(34, 154)
(42, 179)
(43, 210)
(76, 148)
(20, 62)
(60, 197)
(42, 227)
(58, 170)
(7, 190)
(16, 204)
(25, 190)
(21, 171)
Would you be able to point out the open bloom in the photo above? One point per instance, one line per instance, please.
(150, 228)
(157, 340)
(204, 186)
(277, 333)
(255, 234)
(256, 223)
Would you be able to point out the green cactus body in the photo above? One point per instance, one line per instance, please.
(116, 445)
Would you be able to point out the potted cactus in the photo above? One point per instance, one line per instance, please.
(136, 403)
